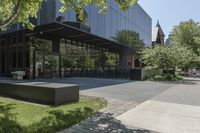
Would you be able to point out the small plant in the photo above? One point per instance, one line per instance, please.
(166, 77)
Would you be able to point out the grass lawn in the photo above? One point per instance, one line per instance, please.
(20, 117)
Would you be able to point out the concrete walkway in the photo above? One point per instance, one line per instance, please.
(105, 121)
(122, 95)
(140, 107)
(176, 110)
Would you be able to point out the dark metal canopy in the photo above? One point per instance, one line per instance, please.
(61, 30)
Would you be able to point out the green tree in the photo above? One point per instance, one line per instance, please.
(111, 61)
(106, 60)
(70, 57)
(129, 38)
(76, 57)
(14, 11)
(67, 61)
(84, 60)
(187, 33)
(42, 45)
(166, 57)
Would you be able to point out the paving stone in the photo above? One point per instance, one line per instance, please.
(105, 122)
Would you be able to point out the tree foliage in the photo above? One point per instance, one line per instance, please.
(184, 51)
(14, 11)
(130, 38)
(106, 60)
(84, 60)
(187, 33)
(165, 57)
(69, 58)
(75, 57)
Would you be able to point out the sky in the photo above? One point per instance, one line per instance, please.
(171, 12)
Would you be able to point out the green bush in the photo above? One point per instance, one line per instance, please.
(20, 117)
(166, 77)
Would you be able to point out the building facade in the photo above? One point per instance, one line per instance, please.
(40, 52)
(104, 25)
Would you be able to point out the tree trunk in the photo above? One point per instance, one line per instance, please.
(167, 70)
(174, 68)
(12, 18)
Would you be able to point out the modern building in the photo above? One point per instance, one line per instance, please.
(104, 25)
(38, 51)
(158, 36)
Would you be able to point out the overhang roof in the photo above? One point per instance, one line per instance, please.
(57, 29)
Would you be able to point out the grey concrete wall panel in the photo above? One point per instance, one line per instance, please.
(47, 93)
(123, 61)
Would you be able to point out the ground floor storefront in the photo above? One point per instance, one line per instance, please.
(59, 50)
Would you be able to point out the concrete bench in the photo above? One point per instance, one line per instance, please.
(41, 92)
(18, 75)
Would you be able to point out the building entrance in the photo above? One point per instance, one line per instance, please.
(46, 65)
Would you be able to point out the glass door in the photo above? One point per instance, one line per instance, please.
(51, 66)
(39, 64)
(55, 65)
(46, 65)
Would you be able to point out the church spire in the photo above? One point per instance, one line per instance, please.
(158, 24)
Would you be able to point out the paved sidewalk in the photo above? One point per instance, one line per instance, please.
(177, 110)
(105, 122)
(122, 95)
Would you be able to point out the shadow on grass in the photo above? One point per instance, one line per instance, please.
(56, 121)
(59, 120)
(7, 119)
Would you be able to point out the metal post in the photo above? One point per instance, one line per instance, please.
(17, 45)
(1, 43)
(34, 64)
(11, 52)
(6, 55)
(24, 50)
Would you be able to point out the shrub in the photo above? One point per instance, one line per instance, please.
(166, 77)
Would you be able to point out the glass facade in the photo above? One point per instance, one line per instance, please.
(21, 51)
(44, 63)
(104, 25)
(14, 52)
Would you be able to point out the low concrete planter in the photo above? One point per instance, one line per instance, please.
(18, 75)
(40, 92)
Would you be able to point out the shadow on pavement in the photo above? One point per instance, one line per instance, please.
(103, 123)
(184, 82)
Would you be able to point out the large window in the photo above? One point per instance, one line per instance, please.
(45, 63)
